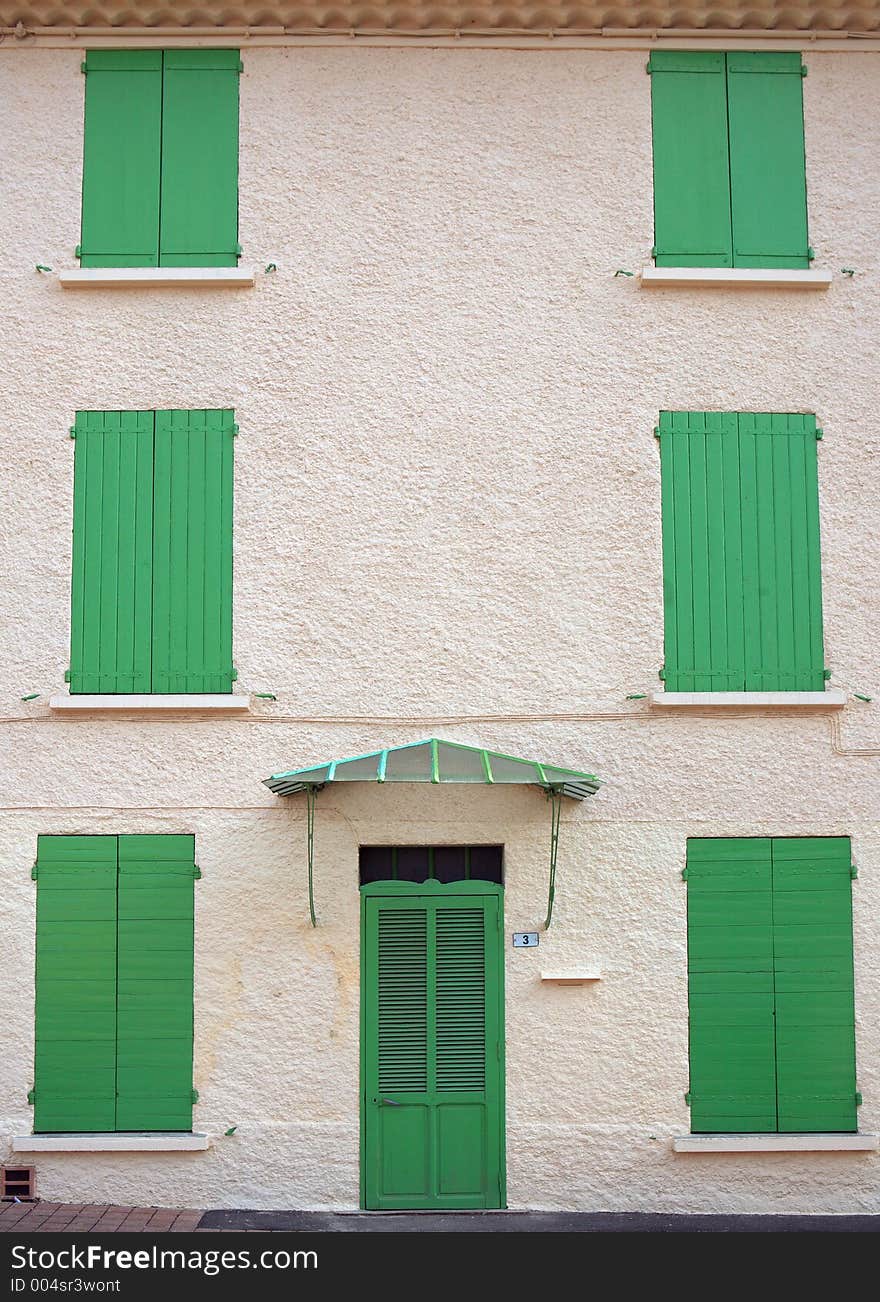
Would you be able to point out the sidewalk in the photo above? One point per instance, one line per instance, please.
(44, 1217)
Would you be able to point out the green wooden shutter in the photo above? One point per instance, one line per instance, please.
(199, 217)
(767, 168)
(155, 1001)
(813, 960)
(730, 985)
(121, 148)
(691, 173)
(741, 565)
(75, 1054)
(192, 552)
(112, 552)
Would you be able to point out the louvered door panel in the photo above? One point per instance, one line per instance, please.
(403, 1000)
(461, 999)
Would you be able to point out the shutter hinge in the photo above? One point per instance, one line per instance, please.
(811, 254)
(67, 675)
(197, 872)
(656, 431)
(83, 67)
(31, 1096)
(858, 1098)
(803, 70)
(240, 66)
(661, 673)
(826, 674)
(237, 250)
(820, 433)
(235, 431)
(687, 1098)
(647, 67)
(72, 431)
(78, 251)
(854, 871)
(654, 251)
(684, 874)
(35, 871)
(195, 1095)
(234, 674)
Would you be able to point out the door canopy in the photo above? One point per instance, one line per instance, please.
(439, 762)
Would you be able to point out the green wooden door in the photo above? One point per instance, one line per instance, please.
(432, 1046)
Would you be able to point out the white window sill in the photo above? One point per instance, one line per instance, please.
(833, 699)
(134, 1142)
(732, 278)
(156, 277)
(776, 1143)
(211, 703)
(571, 978)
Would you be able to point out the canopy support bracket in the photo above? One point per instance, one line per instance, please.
(311, 793)
(555, 798)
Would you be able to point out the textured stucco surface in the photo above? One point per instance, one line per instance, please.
(446, 504)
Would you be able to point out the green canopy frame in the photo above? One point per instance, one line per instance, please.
(438, 762)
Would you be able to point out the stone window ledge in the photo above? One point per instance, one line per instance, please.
(133, 1142)
(832, 699)
(732, 278)
(859, 1143)
(220, 703)
(156, 277)
(576, 977)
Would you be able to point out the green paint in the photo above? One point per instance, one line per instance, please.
(858, 695)
(32, 696)
(729, 167)
(770, 980)
(192, 552)
(160, 158)
(151, 606)
(741, 566)
(432, 1046)
(114, 994)
(231, 1130)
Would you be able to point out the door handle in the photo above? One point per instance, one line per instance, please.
(391, 1103)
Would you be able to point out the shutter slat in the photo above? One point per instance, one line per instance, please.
(121, 147)
(813, 960)
(112, 545)
(75, 1016)
(730, 985)
(461, 999)
(192, 552)
(199, 217)
(691, 177)
(155, 993)
(767, 168)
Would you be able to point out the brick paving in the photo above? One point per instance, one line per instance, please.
(88, 1218)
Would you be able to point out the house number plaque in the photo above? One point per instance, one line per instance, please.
(525, 939)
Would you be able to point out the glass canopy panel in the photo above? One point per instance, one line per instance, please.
(409, 764)
(505, 769)
(458, 764)
(306, 776)
(363, 769)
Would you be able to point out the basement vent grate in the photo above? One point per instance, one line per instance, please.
(17, 1182)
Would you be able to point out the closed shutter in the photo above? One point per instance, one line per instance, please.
(767, 167)
(741, 565)
(121, 148)
(813, 960)
(112, 552)
(155, 1008)
(691, 174)
(192, 552)
(75, 1050)
(730, 985)
(199, 218)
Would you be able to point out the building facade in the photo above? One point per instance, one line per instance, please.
(501, 388)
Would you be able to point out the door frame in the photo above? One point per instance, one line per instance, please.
(430, 887)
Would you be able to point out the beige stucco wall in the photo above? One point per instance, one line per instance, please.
(446, 505)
